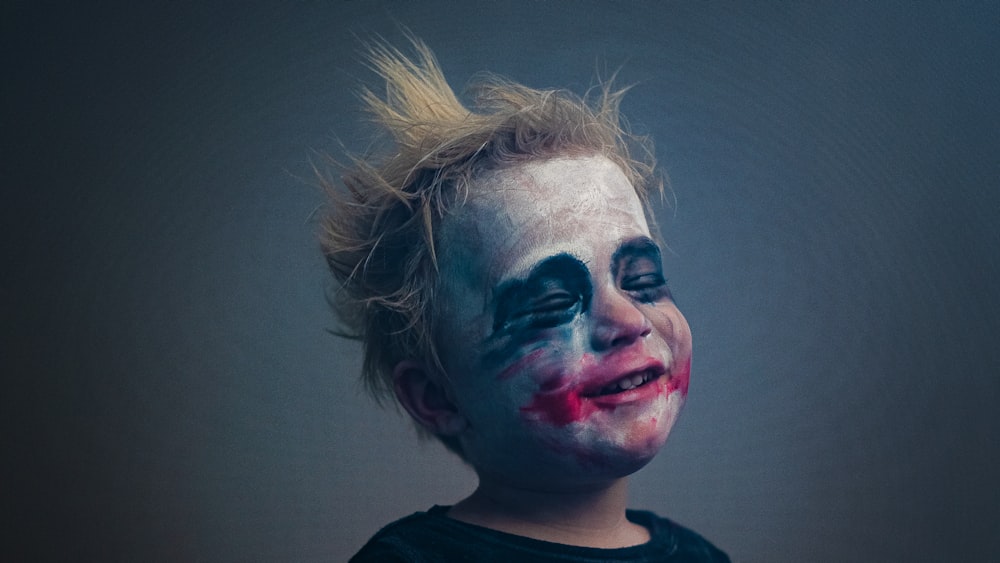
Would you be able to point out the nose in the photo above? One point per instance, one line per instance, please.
(617, 320)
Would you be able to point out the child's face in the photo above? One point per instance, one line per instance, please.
(566, 355)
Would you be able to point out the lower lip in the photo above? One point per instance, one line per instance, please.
(644, 392)
(564, 407)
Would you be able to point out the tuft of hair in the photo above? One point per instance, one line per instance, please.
(378, 232)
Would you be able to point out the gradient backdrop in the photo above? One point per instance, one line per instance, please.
(171, 393)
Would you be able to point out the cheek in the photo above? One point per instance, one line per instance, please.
(546, 376)
(524, 362)
(673, 328)
(512, 375)
(680, 345)
(680, 376)
(538, 356)
(558, 408)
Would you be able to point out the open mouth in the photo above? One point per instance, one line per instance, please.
(628, 382)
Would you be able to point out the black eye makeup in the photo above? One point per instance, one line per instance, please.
(638, 270)
(554, 292)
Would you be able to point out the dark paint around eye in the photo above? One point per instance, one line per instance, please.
(643, 281)
(555, 291)
(553, 302)
(550, 314)
(550, 302)
(647, 288)
(639, 270)
(655, 293)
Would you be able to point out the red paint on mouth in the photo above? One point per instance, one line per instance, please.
(559, 406)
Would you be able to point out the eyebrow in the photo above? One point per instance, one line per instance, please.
(638, 247)
(564, 268)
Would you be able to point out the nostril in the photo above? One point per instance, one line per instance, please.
(627, 337)
(621, 341)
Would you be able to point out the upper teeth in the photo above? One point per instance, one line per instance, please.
(628, 382)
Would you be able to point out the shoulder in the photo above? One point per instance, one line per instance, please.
(419, 537)
(682, 544)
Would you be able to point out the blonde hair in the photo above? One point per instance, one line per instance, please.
(378, 235)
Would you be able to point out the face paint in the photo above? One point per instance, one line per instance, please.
(566, 353)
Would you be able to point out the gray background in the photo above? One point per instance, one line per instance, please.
(171, 393)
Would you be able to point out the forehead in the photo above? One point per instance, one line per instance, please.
(536, 192)
(518, 215)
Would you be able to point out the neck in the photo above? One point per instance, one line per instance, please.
(591, 517)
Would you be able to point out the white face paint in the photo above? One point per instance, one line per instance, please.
(564, 349)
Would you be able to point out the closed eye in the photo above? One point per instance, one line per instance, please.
(639, 269)
(556, 290)
(553, 302)
(643, 281)
(647, 288)
(548, 311)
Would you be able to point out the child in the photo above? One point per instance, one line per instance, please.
(503, 271)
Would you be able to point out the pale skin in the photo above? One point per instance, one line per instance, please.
(568, 361)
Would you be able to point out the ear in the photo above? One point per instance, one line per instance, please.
(426, 399)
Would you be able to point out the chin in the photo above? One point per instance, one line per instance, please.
(620, 460)
(623, 450)
(604, 447)
(595, 458)
(587, 468)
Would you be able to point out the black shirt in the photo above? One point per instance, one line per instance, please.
(433, 537)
